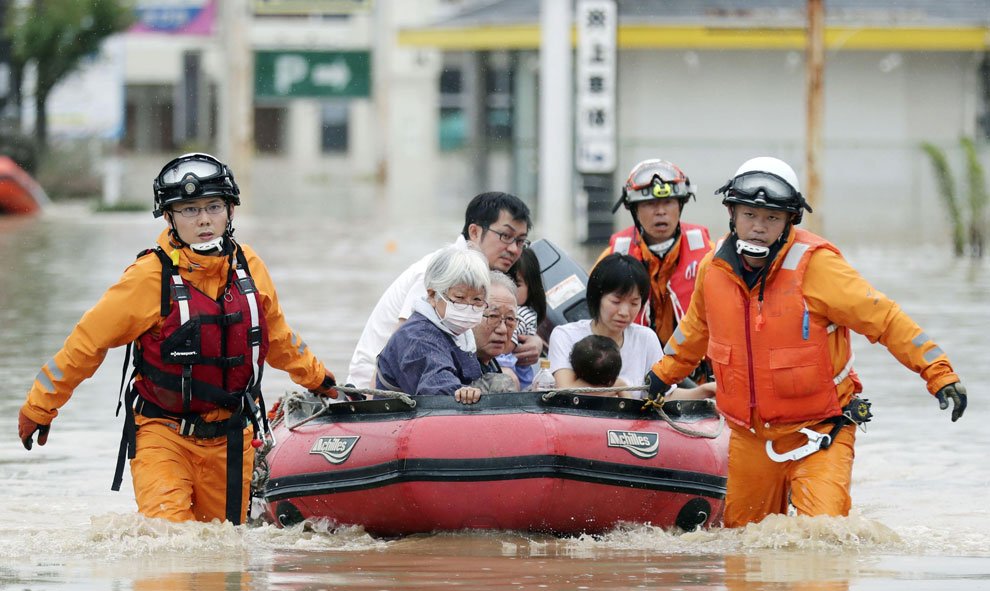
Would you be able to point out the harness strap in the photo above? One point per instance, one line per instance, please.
(128, 440)
(235, 459)
(247, 287)
(204, 391)
(221, 319)
(187, 424)
(845, 370)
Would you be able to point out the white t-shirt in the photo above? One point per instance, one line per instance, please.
(640, 349)
(395, 306)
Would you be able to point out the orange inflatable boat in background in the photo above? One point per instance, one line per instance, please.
(19, 192)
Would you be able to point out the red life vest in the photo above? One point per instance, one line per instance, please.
(780, 365)
(209, 352)
(694, 245)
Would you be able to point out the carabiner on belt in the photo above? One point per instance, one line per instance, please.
(816, 441)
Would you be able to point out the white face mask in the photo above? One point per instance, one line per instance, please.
(460, 318)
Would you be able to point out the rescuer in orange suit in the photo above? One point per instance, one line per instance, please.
(772, 310)
(203, 316)
(655, 194)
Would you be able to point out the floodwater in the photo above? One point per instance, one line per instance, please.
(920, 481)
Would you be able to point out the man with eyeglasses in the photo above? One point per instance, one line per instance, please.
(655, 195)
(772, 310)
(495, 223)
(202, 314)
(494, 334)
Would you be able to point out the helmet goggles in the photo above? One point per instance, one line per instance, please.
(660, 189)
(655, 179)
(193, 176)
(763, 189)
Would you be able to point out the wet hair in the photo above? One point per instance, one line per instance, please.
(485, 209)
(596, 360)
(456, 265)
(617, 273)
(528, 268)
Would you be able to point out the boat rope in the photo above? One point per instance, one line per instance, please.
(655, 405)
(326, 403)
(551, 393)
(394, 395)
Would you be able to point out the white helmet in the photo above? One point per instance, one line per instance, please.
(766, 182)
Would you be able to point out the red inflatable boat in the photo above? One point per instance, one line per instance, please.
(19, 193)
(564, 464)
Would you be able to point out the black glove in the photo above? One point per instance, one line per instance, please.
(327, 388)
(26, 428)
(657, 386)
(955, 392)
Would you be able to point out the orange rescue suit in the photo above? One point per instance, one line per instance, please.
(784, 363)
(180, 483)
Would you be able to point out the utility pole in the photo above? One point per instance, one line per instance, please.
(555, 208)
(815, 70)
(236, 129)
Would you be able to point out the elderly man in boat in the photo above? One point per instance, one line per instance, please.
(494, 334)
(430, 352)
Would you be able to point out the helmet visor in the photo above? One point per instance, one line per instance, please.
(766, 187)
(201, 169)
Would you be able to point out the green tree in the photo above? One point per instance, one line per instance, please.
(56, 35)
(977, 198)
(947, 185)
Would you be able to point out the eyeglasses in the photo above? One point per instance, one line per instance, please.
(463, 306)
(522, 243)
(496, 319)
(191, 211)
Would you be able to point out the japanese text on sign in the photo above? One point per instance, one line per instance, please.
(595, 106)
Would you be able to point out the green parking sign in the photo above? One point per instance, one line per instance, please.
(295, 74)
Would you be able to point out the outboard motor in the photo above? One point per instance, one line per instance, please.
(566, 285)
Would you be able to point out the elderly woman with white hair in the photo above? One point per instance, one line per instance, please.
(433, 352)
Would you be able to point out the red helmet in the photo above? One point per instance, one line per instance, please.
(655, 179)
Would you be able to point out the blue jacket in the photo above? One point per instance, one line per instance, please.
(422, 359)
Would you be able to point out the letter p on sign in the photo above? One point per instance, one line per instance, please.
(289, 70)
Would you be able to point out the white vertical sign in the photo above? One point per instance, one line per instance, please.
(595, 105)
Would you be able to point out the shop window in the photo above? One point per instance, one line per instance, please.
(269, 129)
(453, 125)
(334, 128)
(148, 123)
(498, 104)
